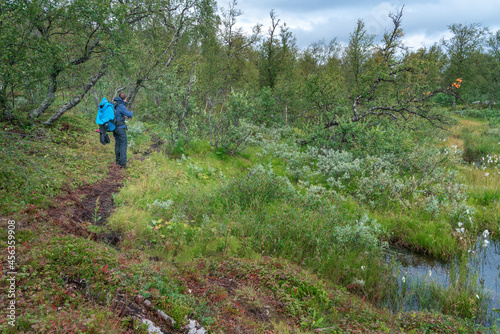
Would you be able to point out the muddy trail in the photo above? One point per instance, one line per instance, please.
(76, 209)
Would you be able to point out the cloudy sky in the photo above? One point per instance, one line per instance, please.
(424, 21)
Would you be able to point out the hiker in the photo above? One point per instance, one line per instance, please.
(120, 132)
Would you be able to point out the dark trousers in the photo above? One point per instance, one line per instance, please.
(120, 135)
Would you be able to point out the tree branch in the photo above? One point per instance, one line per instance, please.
(74, 101)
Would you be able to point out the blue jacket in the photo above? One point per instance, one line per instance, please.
(122, 111)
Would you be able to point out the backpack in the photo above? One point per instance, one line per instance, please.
(106, 116)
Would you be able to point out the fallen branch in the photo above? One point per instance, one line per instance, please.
(160, 313)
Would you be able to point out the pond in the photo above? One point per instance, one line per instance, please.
(484, 263)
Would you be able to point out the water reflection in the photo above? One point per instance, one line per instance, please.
(485, 263)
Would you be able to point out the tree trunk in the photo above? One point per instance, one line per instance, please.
(133, 92)
(286, 114)
(51, 91)
(5, 111)
(117, 91)
(3, 101)
(51, 94)
(143, 78)
(73, 102)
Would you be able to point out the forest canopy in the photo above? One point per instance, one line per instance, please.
(185, 63)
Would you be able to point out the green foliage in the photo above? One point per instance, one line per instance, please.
(259, 186)
(462, 50)
(480, 140)
(52, 39)
(355, 60)
(270, 54)
(384, 180)
(202, 207)
(170, 107)
(489, 83)
(228, 131)
(261, 212)
(265, 111)
(478, 146)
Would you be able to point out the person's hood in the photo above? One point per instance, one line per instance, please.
(103, 102)
(119, 100)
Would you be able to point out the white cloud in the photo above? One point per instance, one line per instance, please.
(424, 23)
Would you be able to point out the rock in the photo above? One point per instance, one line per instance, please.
(148, 304)
(152, 329)
(151, 307)
(195, 328)
(165, 317)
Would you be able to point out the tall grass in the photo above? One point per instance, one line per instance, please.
(481, 173)
(329, 210)
(181, 212)
(183, 215)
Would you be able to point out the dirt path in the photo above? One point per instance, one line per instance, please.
(75, 209)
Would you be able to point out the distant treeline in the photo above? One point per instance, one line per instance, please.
(184, 62)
